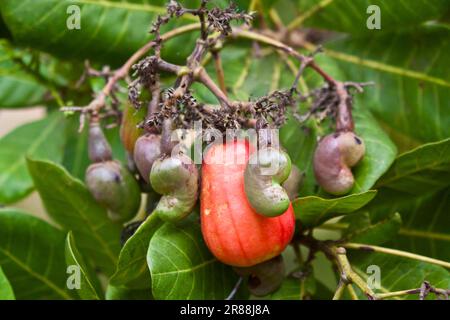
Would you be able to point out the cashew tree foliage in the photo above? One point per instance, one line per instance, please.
(144, 101)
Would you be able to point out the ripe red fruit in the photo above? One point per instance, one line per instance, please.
(232, 230)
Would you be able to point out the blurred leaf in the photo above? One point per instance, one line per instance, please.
(6, 291)
(294, 289)
(424, 169)
(363, 230)
(17, 87)
(132, 270)
(90, 288)
(400, 273)
(313, 211)
(76, 159)
(72, 206)
(110, 31)
(41, 139)
(120, 293)
(351, 15)
(34, 261)
(411, 94)
(182, 267)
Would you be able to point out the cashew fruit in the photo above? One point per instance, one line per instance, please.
(146, 151)
(115, 188)
(98, 147)
(266, 170)
(265, 277)
(176, 179)
(335, 155)
(233, 231)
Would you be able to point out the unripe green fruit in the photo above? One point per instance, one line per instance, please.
(114, 187)
(176, 179)
(265, 172)
(334, 156)
(265, 277)
(146, 151)
(98, 149)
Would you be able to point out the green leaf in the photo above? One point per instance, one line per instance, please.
(34, 261)
(380, 151)
(90, 288)
(426, 226)
(409, 71)
(182, 267)
(6, 291)
(313, 211)
(110, 31)
(42, 139)
(17, 87)
(121, 293)
(363, 230)
(399, 273)
(76, 159)
(424, 169)
(351, 15)
(294, 289)
(132, 270)
(70, 204)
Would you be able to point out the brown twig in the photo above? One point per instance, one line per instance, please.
(100, 100)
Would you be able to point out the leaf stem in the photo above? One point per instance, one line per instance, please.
(352, 292)
(219, 71)
(339, 290)
(400, 253)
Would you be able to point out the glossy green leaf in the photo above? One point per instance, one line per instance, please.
(42, 139)
(182, 267)
(399, 273)
(363, 230)
(351, 15)
(71, 205)
(426, 226)
(109, 30)
(6, 291)
(380, 151)
(424, 169)
(90, 288)
(132, 270)
(294, 289)
(32, 256)
(121, 293)
(313, 210)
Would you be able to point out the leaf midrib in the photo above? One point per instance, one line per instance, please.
(131, 6)
(41, 278)
(83, 217)
(430, 165)
(199, 266)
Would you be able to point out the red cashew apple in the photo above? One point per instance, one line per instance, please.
(232, 230)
